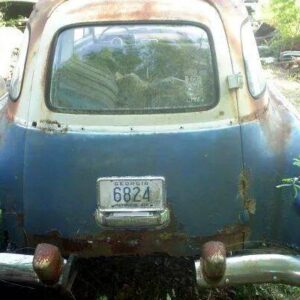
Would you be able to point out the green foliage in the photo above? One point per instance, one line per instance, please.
(2, 23)
(284, 15)
(294, 182)
(116, 61)
(18, 22)
(150, 75)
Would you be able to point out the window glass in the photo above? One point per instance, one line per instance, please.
(133, 68)
(254, 72)
(18, 72)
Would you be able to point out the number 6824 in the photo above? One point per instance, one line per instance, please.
(134, 194)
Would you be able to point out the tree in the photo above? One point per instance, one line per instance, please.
(284, 15)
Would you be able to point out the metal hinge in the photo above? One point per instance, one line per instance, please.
(235, 81)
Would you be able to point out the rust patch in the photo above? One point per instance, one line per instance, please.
(244, 184)
(276, 125)
(114, 243)
(148, 10)
(118, 10)
(250, 205)
(244, 191)
(50, 126)
(258, 113)
(214, 260)
(232, 14)
(274, 120)
(38, 18)
(47, 263)
(11, 110)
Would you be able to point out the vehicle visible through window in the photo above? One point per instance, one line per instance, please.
(133, 68)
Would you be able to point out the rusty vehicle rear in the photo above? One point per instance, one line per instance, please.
(146, 127)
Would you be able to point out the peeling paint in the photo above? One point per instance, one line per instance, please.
(244, 190)
(49, 126)
(114, 243)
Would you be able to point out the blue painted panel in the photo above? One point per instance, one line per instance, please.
(201, 168)
(12, 142)
(269, 149)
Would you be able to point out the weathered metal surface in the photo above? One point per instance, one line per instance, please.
(213, 260)
(221, 165)
(17, 268)
(270, 144)
(166, 242)
(232, 13)
(192, 199)
(259, 268)
(48, 263)
(44, 269)
(37, 21)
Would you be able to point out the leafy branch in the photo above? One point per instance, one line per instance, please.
(13, 22)
(294, 182)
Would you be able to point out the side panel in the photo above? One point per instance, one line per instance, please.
(270, 144)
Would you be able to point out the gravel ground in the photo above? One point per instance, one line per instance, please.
(286, 83)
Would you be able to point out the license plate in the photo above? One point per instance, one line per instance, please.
(131, 193)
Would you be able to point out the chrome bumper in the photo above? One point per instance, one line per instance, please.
(45, 268)
(215, 270)
(17, 268)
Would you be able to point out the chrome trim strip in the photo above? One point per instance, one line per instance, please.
(135, 219)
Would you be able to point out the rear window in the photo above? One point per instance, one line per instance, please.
(133, 69)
